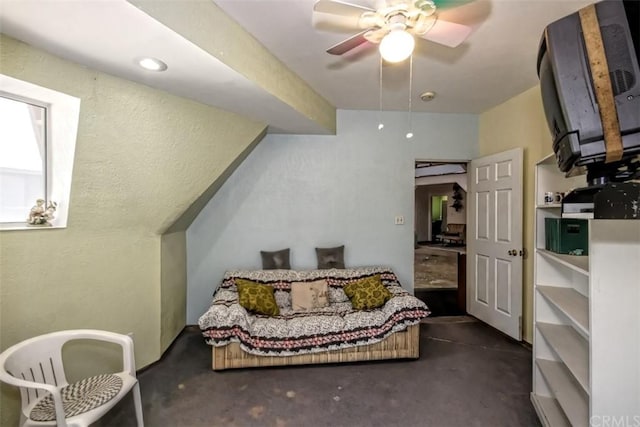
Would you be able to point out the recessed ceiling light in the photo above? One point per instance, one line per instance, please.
(152, 64)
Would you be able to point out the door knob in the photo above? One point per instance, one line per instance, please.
(513, 252)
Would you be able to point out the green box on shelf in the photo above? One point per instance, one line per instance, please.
(564, 235)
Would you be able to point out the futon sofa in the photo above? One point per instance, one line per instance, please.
(336, 332)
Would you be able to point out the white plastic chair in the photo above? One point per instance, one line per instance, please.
(35, 366)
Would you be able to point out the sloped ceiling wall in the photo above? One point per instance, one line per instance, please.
(143, 157)
(207, 26)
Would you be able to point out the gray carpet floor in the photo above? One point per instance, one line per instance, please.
(468, 375)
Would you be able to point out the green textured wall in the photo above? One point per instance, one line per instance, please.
(143, 158)
(520, 122)
(436, 208)
(173, 294)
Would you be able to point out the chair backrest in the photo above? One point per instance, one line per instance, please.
(456, 228)
(37, 359)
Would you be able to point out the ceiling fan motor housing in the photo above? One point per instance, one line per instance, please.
(398, 21)
(413, 17)
(417, 20)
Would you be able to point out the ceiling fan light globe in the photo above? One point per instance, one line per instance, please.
(397, 46)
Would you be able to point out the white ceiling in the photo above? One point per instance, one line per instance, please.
(497, 61)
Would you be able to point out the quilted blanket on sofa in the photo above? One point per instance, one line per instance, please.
(336, 326)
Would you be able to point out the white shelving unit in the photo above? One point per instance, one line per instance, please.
(586, 346)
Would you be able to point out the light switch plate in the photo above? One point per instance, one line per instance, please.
(399, 220)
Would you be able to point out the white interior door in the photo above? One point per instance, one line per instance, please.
(494, 241)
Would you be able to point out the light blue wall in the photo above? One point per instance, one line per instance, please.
(302, 192)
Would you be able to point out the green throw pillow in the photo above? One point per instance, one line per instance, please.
(256, 297)
(367, 293)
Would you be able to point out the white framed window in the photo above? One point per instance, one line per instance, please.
(38, 130)
(23, 157)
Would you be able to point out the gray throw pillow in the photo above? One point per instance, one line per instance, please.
(276, 260)
(330, 257)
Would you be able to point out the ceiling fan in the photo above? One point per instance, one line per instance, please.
(393, 24)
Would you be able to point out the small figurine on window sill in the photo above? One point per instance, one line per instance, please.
(41, 216)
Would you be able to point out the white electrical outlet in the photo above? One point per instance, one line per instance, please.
(399, 220)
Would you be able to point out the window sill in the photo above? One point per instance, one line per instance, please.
(15, 226)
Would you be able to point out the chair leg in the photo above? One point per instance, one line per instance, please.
(137, 400)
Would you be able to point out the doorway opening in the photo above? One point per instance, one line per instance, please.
(440, 236)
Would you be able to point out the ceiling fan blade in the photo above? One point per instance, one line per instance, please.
(447, 33)
(425, 6)
(336, 7)
(472, 14)
(380, 4)
(448, 4)
(376, 35)
(330, 22)
(348, 44)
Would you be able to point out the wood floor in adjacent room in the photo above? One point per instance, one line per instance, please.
(436, 267)
(468, 374)
(436, 280)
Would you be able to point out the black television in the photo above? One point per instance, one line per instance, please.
(568, 96)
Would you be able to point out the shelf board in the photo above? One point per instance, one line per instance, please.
(579, 264)
(549, 159)
(574, 403)
(572, 349)
(570, 302)
(549, 206)
(549, 411)
(578, 215)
